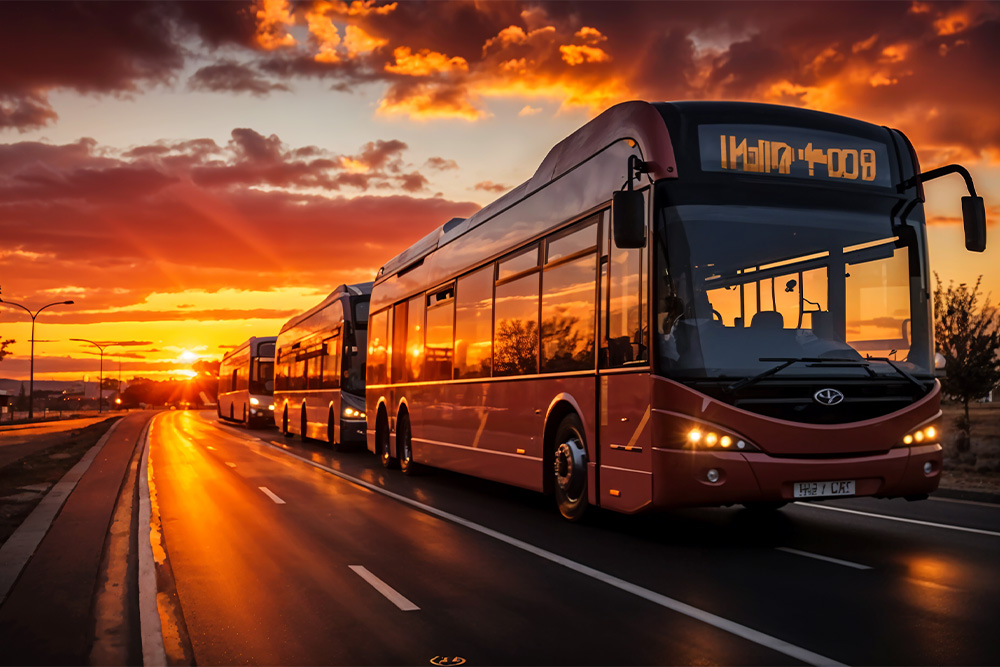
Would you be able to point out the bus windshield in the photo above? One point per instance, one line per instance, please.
(743, 287)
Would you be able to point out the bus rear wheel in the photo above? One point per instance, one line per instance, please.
(570, 469)
(404, 445)
(382, 441)
(331, 432)
(246, 420)
(304, 425)
(284, 425)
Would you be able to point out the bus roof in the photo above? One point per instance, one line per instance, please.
(639, 121)
(247, 343)
(359, 289)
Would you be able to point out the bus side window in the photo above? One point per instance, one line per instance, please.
(440, 334)
(474, 324)
(378, 348)
(625, 339)
(568, 309)
(398, 342)
(331, 362)
(515, 332)
(415, 339)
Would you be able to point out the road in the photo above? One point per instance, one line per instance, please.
(284, 552)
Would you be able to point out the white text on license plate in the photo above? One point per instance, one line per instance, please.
(824, 489)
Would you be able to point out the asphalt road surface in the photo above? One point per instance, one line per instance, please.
(284, 552)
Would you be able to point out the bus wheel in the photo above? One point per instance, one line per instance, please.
(382, 440)
(570, 460)
(246, 421)
(331, 432)
(404, 445)
(304, 425)
(284, 424)
(230, 412)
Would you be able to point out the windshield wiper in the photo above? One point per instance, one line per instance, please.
(788, 361)
(912, 380)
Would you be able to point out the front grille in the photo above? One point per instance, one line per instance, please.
(792, 400)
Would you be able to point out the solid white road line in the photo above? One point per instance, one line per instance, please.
(21, 545)
(965, 502)
(150, 628)
(901, 519)
(270, 494)
(709, 618)
(847, 563)
(385, 589)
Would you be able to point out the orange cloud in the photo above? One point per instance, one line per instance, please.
(273, 19)
(426, 101)
(359, 42)
(322, 28)
(424, 63)
(577, 55)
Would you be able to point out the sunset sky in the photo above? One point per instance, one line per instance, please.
(192, 174)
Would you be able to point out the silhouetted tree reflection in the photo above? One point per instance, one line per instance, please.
(515, 348)
(567, 344)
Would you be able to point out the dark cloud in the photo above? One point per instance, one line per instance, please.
(229, 76)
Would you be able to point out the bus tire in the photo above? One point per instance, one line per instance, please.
(246, 419)
(284, 424)
(231, 412)
(404, 446)
(304, 424)
(331, 432)
(382, 441)
(570, 469)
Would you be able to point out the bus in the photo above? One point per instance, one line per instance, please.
(246, 382)
(687, 304)
(320, 375)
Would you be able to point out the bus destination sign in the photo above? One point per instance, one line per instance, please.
(793, 151)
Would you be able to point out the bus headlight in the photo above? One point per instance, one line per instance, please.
(927, 434)
(700, 437)
(351, 413)
(254, 401)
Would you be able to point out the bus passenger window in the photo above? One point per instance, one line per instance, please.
(440, 335)
(415, 340)
(625, 335)
(568, 314)
(331, 363)
(378, 348)
(398, 342)
(474, 324)
(515, 331)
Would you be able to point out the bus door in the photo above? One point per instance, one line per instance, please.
(624, 458)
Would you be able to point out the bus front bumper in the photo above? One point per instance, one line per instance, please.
(682, 478)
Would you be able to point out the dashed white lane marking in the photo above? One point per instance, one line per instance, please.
(846, 563)
(385, 589)
(901, 519)
(230, 464)
(724, 624)
(270, 494)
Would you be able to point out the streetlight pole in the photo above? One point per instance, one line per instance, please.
(31, 382)
(100, 381)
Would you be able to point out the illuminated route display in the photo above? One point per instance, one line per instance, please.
(793, 151)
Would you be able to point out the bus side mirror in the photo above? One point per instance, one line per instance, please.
(628, 219)
(974, 217)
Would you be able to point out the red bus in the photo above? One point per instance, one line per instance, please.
(688, 304)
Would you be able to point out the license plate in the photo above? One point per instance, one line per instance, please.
(824, 489)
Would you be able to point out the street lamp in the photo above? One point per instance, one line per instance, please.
(100, 381)
(31, 390)
(100, 346)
